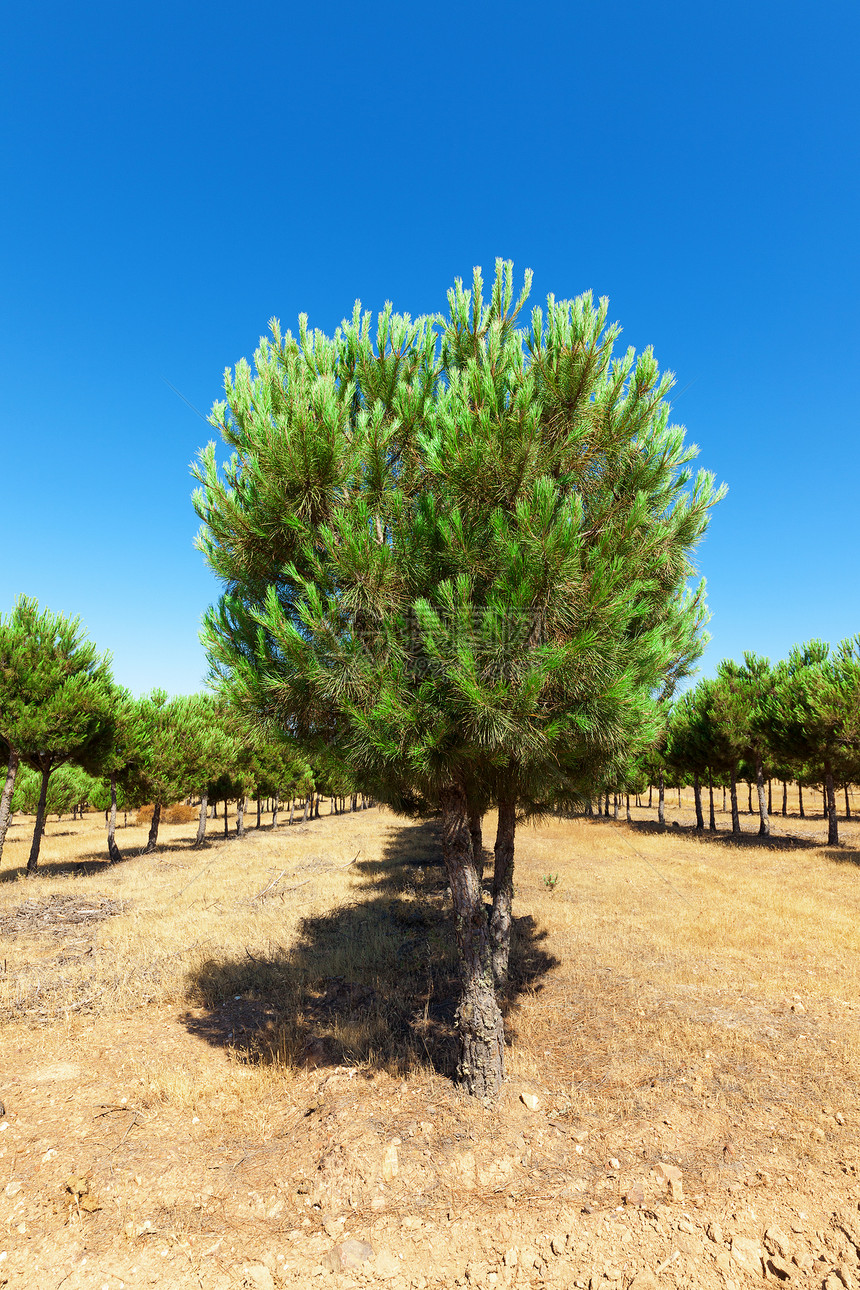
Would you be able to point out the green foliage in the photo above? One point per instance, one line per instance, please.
(455, 550)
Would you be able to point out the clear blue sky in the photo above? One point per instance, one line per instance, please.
(175, 175)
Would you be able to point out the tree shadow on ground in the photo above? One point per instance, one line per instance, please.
(725, 837)
(372, 982)
(850, 855)
(57, 869)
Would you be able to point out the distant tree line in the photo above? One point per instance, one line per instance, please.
(72, 738)
(796, 721)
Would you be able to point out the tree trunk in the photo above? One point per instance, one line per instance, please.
(800, 797)
(736, 819)
(153, 830)
(33, 861)
(661, 800)
(606, 807)
(629, 816)
(832, 822)
(201, 823)
(764, 821)
(481, 1067)
(476, 833)
(697, 794)
(679, 798)
(615, 806)
(784, 798)
(292, 811)
(650, 792)
(305, 816)
(770, 797)
(503, 889)
(113, 850)
(259, 809)
(274, 810)
(6, 797)
(226, 821)
(824, 803)
(724, 799)
(712, 822)
(240, 817)
(847, 804)
(215, 809)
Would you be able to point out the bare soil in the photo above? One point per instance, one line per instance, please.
(220, 1069)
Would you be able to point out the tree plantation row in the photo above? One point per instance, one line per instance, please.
(796, 721)
(457, 555)
(74, 738)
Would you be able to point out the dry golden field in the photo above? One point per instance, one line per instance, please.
(219, 1066)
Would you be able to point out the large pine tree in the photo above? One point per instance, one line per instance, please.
(458, 552)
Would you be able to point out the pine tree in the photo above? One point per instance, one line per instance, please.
(174, 748)
(457, 552)
(116, 753)
(812, 715)
(55, 696)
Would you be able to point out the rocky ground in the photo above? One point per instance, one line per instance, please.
(687, 1130)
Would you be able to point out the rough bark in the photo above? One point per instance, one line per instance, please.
(274, 810)
(305, 815)
(153, 830)
(615, 806)
(503, 889)
(712, 821)
(292, 811)
(800, 797)
(33, 860)
(240, 818)
(736, 819)
(114, 854)
(259, 809)
(650, 795)
(764, 820)
(749, 797)
(201, 823)
(6, 797)
(832, 819)
(629, 816)
(226, 820)
(847, 804)
(476, 833)
(770, 797)
(661, 799)
(784, 798)
(697, 794)
(481, 1067)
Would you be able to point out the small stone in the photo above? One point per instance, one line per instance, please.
(349, 1254)
(511, 1256)
(259, 1276)
(776, 1242)
(333, 1227)
(833, 1282)
(797, 1007)
(387, 1265)
(747, 1253)
(531, 1100)
(390, 1162)
(778, 1268)
(839, 1117)
(558, 1245)
(715, 1232)
(644, 1281)
(635, 1194)
(581, 1135)
(2, 1108)
(13, 1188)
(614, 1162)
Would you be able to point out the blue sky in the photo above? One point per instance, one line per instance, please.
(176, 175)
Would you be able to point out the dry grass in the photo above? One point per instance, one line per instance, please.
(291, 996)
